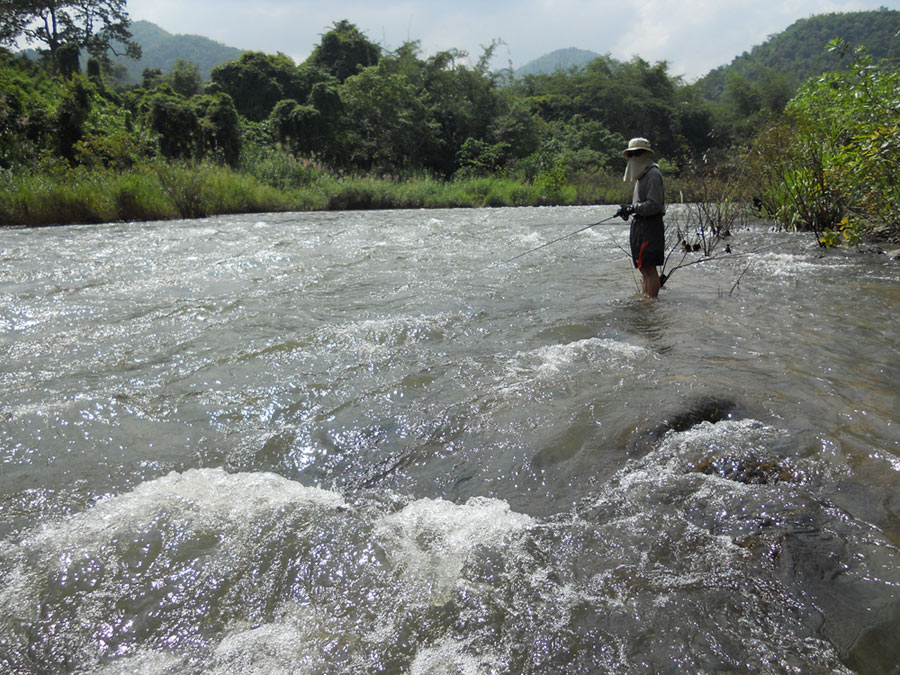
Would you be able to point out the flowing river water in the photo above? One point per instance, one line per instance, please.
(359, 442)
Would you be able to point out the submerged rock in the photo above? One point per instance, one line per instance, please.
(703, 409)
(748, 469)
(693, 412)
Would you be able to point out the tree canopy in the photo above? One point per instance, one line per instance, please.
(94, 25)
(358, 108)
(344, 50)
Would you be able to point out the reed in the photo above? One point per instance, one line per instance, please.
(218, 189)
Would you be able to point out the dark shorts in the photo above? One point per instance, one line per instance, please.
(648, 241)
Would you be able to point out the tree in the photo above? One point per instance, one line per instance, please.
(465, 103)
(257, 82)
(478, 158)
(442, 104)
(220, 132)
(628, 99)
(392, 127)
(344, 51)
(185, 78)
(71, 115)
(517, 128)
(93, 25)
(295, 125)
(852, 120)
(151, 78)
(175, 120)
(829, 166)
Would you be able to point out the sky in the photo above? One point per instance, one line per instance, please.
(693, 36)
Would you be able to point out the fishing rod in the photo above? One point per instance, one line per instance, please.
(559, 239)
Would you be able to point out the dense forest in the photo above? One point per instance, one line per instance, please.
(359, 126)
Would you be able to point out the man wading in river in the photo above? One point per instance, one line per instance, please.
(647, 205)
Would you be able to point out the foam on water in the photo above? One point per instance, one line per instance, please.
(433, 539)
(595, 352)
(449, 656)
(535, 372)
(378, 337)
(183, 547)
(196, 526)
(787, 264)
(415, 585)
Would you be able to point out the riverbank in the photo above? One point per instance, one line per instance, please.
(163, 191)
(62, 195)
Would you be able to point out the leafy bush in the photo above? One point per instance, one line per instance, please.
(831, 167)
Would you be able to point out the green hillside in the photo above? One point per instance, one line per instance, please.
(162, 49)
(799, 52)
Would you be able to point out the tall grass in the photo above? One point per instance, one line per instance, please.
(211, 189)
(265, 183)
(594, 187)
(152, 192)
(140, 196)
(48, 198)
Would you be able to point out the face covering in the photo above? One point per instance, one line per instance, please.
(637, 165)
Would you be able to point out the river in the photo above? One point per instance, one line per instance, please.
(361, 442)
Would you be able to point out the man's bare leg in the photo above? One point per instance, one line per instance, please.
(650, 281)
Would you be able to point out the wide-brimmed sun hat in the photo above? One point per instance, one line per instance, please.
(636, 144)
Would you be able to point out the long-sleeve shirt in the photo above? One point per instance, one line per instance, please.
(649, 195)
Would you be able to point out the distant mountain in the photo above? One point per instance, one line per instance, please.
(162, 49)
(561, 59)
(799, 52)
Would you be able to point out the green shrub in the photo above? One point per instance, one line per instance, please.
(831, 167)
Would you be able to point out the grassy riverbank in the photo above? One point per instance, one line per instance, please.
(161, 191)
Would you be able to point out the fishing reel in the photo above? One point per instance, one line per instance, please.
(625, 211)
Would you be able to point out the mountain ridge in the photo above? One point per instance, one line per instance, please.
(559, 59)
(162, 49)
(799, 51)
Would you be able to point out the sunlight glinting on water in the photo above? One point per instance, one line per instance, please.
(360, 442)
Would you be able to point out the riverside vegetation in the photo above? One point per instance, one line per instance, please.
(357, 126)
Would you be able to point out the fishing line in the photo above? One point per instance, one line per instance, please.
(554, 241)
(738, 280)
(559, 239)
(627, 253)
